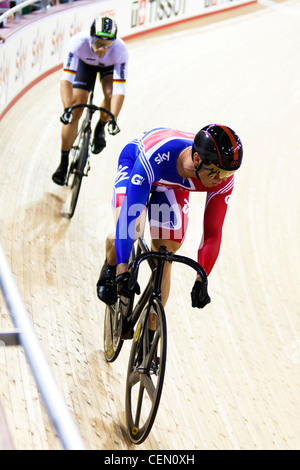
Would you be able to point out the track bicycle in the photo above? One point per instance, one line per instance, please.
(80, 152)
(147, 360)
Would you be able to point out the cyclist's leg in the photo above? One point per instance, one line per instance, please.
(110, 240)
(126, 162)
(168, 218)
(68, 135)
(79, 90)
(112, 102)
(106, 79)
(166, 280)
(69, 131)
(83, 84)
(106, 288)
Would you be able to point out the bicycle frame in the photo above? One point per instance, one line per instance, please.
(153, 288)
(93, 108)
(148, 355)
(86, 127)
(136, 310)
(80, 166)
(147, 360)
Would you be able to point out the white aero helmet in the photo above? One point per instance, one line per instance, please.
(104, 27)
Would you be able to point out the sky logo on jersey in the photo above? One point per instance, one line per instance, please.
(161, 158)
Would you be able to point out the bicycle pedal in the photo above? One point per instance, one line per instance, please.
(141, 369)
(153, 368)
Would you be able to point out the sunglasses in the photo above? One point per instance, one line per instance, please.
(101, 42)
(215, 172)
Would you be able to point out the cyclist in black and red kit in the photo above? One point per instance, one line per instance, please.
(89, 53)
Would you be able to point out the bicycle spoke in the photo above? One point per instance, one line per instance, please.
(139, 406)
(153, 349)
(133, 378)
(149, 386)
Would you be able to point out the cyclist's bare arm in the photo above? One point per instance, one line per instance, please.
(116, 104)
(66, 93)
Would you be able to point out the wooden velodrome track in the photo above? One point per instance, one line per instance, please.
(233, 371)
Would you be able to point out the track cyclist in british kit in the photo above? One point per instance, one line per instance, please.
(156, 172)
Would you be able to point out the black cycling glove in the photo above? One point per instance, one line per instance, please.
(122, 286)
(199, 295)
(67, 116)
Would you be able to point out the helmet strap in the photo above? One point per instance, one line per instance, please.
(197, 169)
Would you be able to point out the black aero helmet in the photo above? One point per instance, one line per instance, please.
(104, 27)
(219, 145)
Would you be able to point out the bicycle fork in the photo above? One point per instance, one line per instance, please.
(88, 164)
(149, 325)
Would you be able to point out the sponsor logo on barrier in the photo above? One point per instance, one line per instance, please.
(37, 50)
(21, 59)
(57, 40)
(210, 3)
(214, 3)
(151, 11)
(4, 79)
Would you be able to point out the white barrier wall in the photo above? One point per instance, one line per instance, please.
(142, 15)
(38, 48)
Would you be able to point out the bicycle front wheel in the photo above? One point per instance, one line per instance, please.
(78, 170)
(145, 374)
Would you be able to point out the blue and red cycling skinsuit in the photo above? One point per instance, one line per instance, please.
(148, 166)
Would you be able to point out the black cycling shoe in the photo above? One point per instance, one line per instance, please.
(60, 175)
(106, 285)
(99, 142)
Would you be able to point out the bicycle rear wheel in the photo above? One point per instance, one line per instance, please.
(112, 332)
(115, 315)
(145, 375)
(77, 170)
